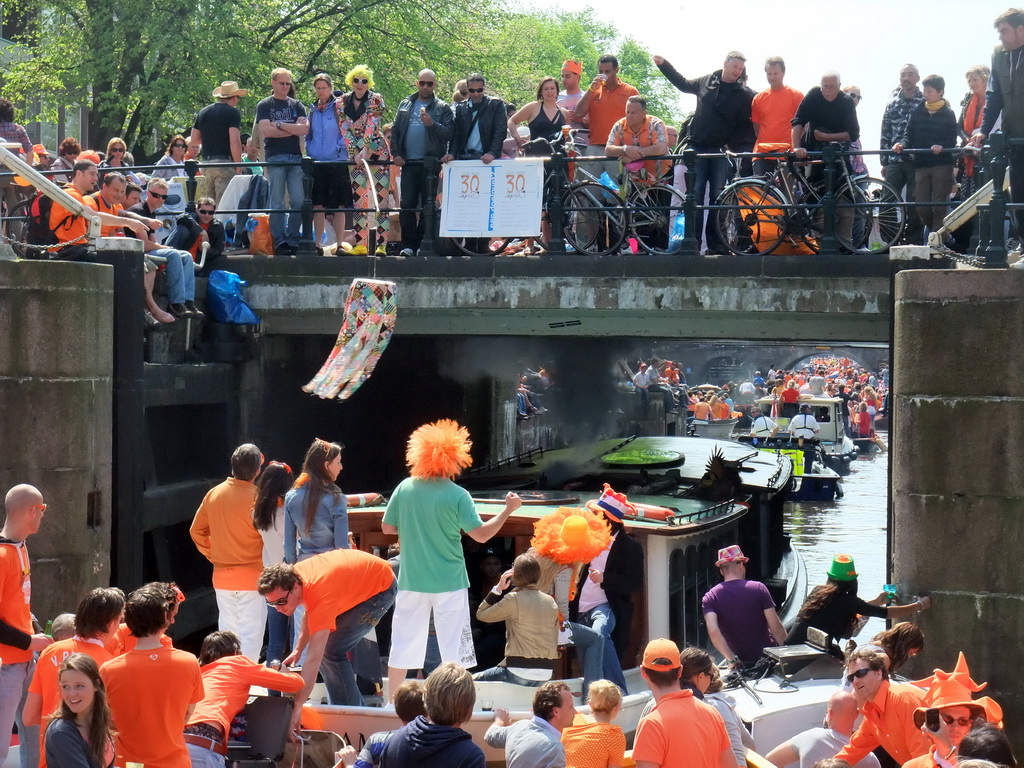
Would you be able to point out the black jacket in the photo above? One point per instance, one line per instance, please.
(926, 129)
(723, 109)
(492, 122)
(623, 578)
(440, 133)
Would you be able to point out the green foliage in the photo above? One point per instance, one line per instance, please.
(145, 67)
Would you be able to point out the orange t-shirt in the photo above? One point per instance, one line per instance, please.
(773, 111)
(702, 411)
(46, 683)
(720, 410)
(593, 745)
(226, 682)
(15, 595)
(606, 109)
(123, 641)
(224, 532)
(149, 693)
(889, 723)
(97, 203)
(338, 580)
(682, 732)
(75, 226)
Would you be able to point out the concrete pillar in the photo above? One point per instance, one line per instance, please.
(55, 401)
(958, 489)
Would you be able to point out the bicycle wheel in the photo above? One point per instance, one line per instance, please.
(481, 246)
(652, 212)
(876, 222)
(748, 220)
(595, 218)
(16, 226)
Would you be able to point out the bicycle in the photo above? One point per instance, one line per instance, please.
(757, 214)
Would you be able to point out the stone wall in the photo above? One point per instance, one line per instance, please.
(958, 490)
(56, 367)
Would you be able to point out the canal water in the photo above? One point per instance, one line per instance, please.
(854, 525)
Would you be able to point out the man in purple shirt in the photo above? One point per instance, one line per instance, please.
(740, 614)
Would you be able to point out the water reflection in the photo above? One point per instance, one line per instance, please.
(854, 524)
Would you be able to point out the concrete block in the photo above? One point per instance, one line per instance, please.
(962, 446)
(978, 524)
(909, 252)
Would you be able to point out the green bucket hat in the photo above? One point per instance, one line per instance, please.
(842, 568)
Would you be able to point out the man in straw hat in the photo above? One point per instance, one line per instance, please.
(740, 614)
(218, 129)
(680, 730)
(428, 512)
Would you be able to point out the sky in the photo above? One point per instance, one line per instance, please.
(866, 41)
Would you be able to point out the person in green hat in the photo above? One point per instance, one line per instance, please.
(835, 609)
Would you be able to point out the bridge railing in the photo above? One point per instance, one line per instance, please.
(993, 158)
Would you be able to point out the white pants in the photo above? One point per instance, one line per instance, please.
(245, 614)
(412, 621)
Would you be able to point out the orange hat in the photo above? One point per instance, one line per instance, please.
(440, 449)
(90, 154)
(571, 535)
(661, 655)
(576, 67)
(955, 689)
(39, 149)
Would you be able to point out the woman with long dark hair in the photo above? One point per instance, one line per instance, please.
(268, 518)
(835, 609)
(80, 732)
(700, 675)
(316, 513)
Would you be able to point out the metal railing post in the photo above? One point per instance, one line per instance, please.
(555, 212)
(994, 254)
(691, 238)
(307, 240)
(191, 170)
(431, 167)
(829, 242)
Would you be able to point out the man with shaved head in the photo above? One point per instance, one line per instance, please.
(24, 510)
(422, 130)
(807, 748)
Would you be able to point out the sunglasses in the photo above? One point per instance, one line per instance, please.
(206, 211)
(158, 196)
(855, 96)
(859, 674)
(361, 80)
(476, 90)
(963, 722)
(282, 601)
(427, 83)
(178, 146)
(286, 85)
(118, 149)
(40, 507)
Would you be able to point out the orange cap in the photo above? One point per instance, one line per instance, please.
(661, 655)
(39, 149)
(576, 67)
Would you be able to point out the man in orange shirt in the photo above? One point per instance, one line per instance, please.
(772, 113)
(68, 228)
(636, 136)
(24, 508)
(680, 732)
(96, 620)
(888, 710)
(152, 689)
(605, 103)
(223, 531)
(345, 592)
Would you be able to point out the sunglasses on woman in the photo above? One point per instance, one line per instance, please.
(361, 80)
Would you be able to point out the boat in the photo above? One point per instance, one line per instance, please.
(838, 449)
(720, 430)
(694, 496)
(812, 479)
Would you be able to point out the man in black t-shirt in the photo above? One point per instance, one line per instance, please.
(217, 129)
(282, 121)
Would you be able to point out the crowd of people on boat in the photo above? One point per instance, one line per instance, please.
(280, 548)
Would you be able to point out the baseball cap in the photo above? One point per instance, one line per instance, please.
(661, 655)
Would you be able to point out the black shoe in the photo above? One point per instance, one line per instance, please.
(286, 250)
(178, 310)
(194, 311)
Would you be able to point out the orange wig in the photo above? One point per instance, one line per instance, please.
(440, 449)
(571, 535)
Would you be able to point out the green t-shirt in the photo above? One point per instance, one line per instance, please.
(430, 516)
